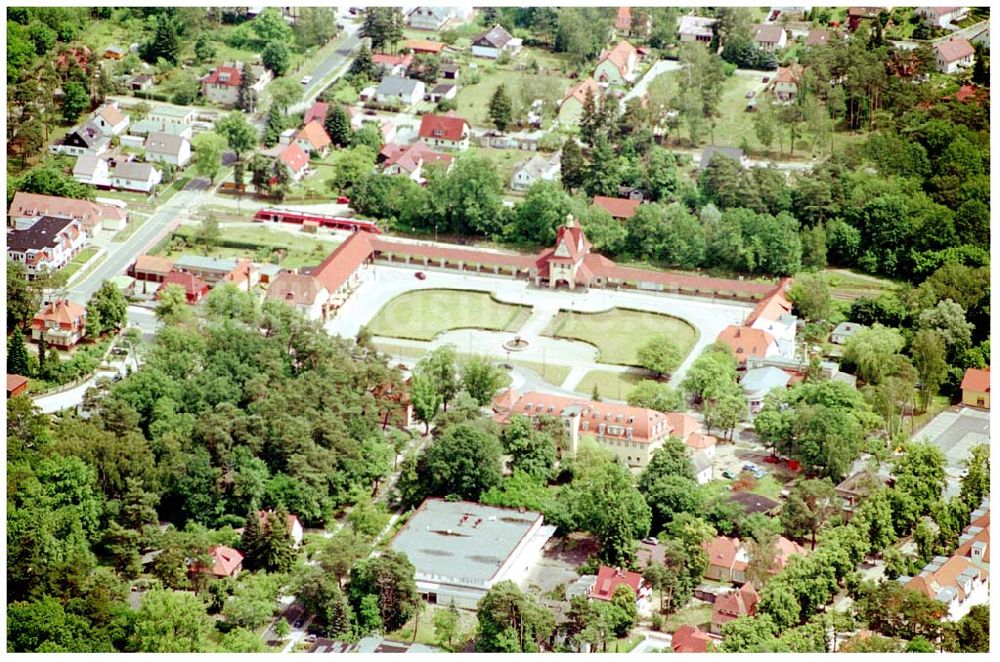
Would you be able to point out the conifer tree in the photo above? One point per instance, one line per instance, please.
(17, 354)
(501, 110)
(572, 165)
(338, 125)
(276, 550)
(246, 99)
(250, 541)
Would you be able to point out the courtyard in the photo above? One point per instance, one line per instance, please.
(477, 314)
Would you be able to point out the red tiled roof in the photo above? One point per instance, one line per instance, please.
(413, 156)
(689, 639)
(647, 424)
(423, 45)
(774, 306)
(699, 441)
(344, 261)
(624, 19)
(585, 89)
(784, 550)
(722, 552)
(392, 60)
(193, 286)
(746, 341)
(153, 264)
(61, 312)
(954, 49)
(294, 157)
(316, 112)
(620, 55)
(315, 134)
(977, 379)
(731, 605)
(15, 382)
(215, 78)
(225, 560)
(608, 579)
(295, 288)
(790, 74)
(617, 207)
(683, 425)
(442, 127)
(89, 213)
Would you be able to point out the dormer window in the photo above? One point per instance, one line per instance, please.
(438, 132)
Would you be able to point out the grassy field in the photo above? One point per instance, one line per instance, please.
(847, 285)
(768, 487)
(612, 385)
(135, 222)
(399, 350)
(553, 374)
(424, 625)
(619, 333)
(699, 614)
(504, 160)
(284, 248)
(81, 258)
(424, 314)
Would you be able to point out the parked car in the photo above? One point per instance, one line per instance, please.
(766, 79)
(299, 623)
(343, 200)
(420, 275)
(506, 366)
(306, 80)
(728, 474)
(751, 94)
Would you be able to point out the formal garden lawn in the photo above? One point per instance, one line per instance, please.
(264, 245)
(619, 333)
(610, 385)
(423, 314)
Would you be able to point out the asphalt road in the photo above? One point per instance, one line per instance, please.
(334, 62)
(121, 254)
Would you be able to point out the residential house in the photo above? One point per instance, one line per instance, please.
(689, 639)
(755, 503)
(541, 167)
(769, 38)
(695, 29)
(443, 92)
(301, 291)
(621, 209)
(818, 37)
(402, 92)
(450, 70)
(296, 159)
(86, 139)
(734, 153)
(135, 176)
(47, 245)
(222, 85)
(953, 54)
(632, 434)
(784, 550)
(616, 67)
(294, 525)
(225, 562)
(747, 342)
(424, 46)
(941, 17)
(430, 18)
(785, 84)
(146, 127)
(773, 314)
(843, 331)
(393, 65)
(727, 560)
(410, 160)
(976, 388)
(27, 208)
(195, 289)
(245, 275)
(209, 269)
(172, 115)
(168, 148)
(571, 107)
(854, 489)
(92, 170)
(316, 113)
(494, 41)
(758, 383)
(445, 131)
(63, 322)
(608, 579)
(141, 83)
(16, 385)
(958, 582)
(733, 604)
(151, 269)
(109, 119)
(114, 53)
(313, 140)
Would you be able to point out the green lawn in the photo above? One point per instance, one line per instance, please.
(611, 385)
(423, 314)
(553, 374)
(619, 333)
(81, 258)
(504, 160)
(399, 350)
(284, 248)
(768, 487)
(424, 624)
(847, 285)
(698, 615)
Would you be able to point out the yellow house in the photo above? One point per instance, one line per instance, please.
(976, 388)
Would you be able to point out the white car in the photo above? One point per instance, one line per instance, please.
(306, 80)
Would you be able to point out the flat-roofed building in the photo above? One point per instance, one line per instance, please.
(460, 548)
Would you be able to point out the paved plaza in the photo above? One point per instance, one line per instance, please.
(956, 433)
(381, 283)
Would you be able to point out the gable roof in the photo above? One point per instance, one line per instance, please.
(299, 289)
(818, 37)
(232, 76)
(496, 37)
(314, 133)
(343, 261)
(153, 264)
(62, 311)
(790, 74)
(15, 382)
(954, 49)
(86, 165)
(768, 34)
(413, 156)
(977, 379)
(442, 127)
(617, 207)
(133, 170)
(317, 112)
(392, 61)
(397, 85)
(689, 639)
(732, 604)
(164, 143)
(225, 560)
(294, 157)
(619, 56)
(109, 114)
(608, 579)
(90, 134)
(46, 232)
(723, 552)
(539, 165)
(89, 213)
(746, 341)
(423, 45)
(624, 19)
(192, 284)
(583, 90)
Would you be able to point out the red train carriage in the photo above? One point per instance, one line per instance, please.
(274, 215)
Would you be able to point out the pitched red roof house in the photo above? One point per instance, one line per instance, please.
(412, 157)
(443, 127)
(689, 639)
(226, 562)
(16, 385)
(733, 604)
(953, 49)
(976, 379)
(583, 90)
(317, 112)
(726, 558)
(608, 579)
(35, 205)
(295, 158)
(314, 134)
(62, 321)
(423, 46)
(620, 208)
(623, 56)
(195, 289)
(224, 76)
(745, 341)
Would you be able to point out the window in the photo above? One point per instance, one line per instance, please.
(600, 429)
(586, 425)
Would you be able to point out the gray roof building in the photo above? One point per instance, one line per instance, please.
(164, 143)
(134, 170)
(711, 151)
(396, 86)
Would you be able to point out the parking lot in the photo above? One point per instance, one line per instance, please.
(956, 433)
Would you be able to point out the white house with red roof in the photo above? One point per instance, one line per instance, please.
(301, 291)
(296, 159)
(225, 562)
(941, 17)
(222, 84)
(312, 138)
(393, 65)
(953, 54)
(773, 314)
(63, 322)
(689, 639)
(445, 131)
(616, 67)
(410, 160)
(727, 559)
(608, 579)
(110, 120)
(976, 388)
